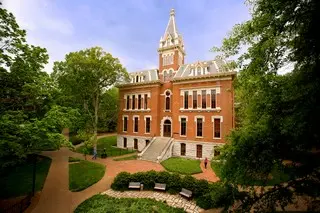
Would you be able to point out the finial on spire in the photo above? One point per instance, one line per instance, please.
(172, 12)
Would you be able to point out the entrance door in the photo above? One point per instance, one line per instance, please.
(199, 151)
(167, 128)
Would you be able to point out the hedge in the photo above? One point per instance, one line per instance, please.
(207, 195)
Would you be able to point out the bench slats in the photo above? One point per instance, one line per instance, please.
(186, 192)
(134, 185)
(160, 186)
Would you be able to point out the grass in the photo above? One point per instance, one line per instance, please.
(108, 143)
(132, 157)
(106, 204)
(182, 165)
(84, 174)
(18, 180)
(277, 175)
(72, 159)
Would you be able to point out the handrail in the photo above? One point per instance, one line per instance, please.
(146, 147)
(165, 150)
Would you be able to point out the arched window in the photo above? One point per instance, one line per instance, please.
(165, 76)
(167, 100)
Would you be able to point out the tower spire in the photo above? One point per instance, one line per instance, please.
(171, 27)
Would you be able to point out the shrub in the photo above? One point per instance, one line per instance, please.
(219, 195)
(75, 140)
(206, 194)
(121, 181)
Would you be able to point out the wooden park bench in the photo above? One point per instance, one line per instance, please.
(134, 185)
(186, 193)
(160, 186)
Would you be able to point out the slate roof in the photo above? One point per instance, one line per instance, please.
(211, 67)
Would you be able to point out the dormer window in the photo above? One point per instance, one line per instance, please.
(198, 70)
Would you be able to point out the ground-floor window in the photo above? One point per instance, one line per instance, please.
(135, 143)
(183, 149)
(216, 152)
(125, 142)
(147, 142)
(199, 151)
(183, 127)
(217, 128)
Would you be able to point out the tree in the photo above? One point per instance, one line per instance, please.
(30, 121)
(109, 107)
(85, 75)
(278, 114)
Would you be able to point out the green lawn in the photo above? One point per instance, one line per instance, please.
(72, 159)
(182, 165)
(277, 176)
(83, 174)
(132, 157)
(18, 181)
(106, 204)
(107, 143)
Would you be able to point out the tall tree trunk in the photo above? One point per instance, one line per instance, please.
(96, 108)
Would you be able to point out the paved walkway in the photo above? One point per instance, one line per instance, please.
(55, 195)
(207, 173)
(172, 200)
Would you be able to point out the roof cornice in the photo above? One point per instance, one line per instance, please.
(213, 76)
(146, 83)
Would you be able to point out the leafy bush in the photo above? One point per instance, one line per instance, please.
(219, 195)
(207, 195)
(75, 140)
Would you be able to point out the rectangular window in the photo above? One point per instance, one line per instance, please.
(204, 99)
(217, 127)
(199, 127)
(213, 98)
(139, 101)
(128, 102)
(148, 125)
(124, 142)
(186, 96)
(145, 101)
(136, 124)
(133, 102)
(125, 124)
(195, 97)
(183, 128)
(183, 149)
(135, 143)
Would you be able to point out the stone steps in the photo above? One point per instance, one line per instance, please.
(155, 149)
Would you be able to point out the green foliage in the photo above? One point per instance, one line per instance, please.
(182, 165)
(17, 181)
(72, 159)
(207, 195)
(108, 143)
(278, 114)
(90, 71)
(83, 174)
(106, 204)
(220, 195)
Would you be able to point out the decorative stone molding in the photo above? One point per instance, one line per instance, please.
(199, 116)
(162, 122)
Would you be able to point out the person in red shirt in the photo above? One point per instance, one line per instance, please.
(205, 162)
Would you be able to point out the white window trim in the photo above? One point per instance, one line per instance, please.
(186, 117)
(133, 117)
(212, 120)
(125, 116)
(195, 120)
(145, 124)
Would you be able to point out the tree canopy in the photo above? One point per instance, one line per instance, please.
(84, 76)
(278, 114)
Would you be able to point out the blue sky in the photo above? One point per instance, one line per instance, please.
(128, 29)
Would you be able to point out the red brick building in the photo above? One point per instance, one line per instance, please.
(178, 109)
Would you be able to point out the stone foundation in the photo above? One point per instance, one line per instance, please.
(130, 141)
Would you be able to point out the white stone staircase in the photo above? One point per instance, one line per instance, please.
(154, 150)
